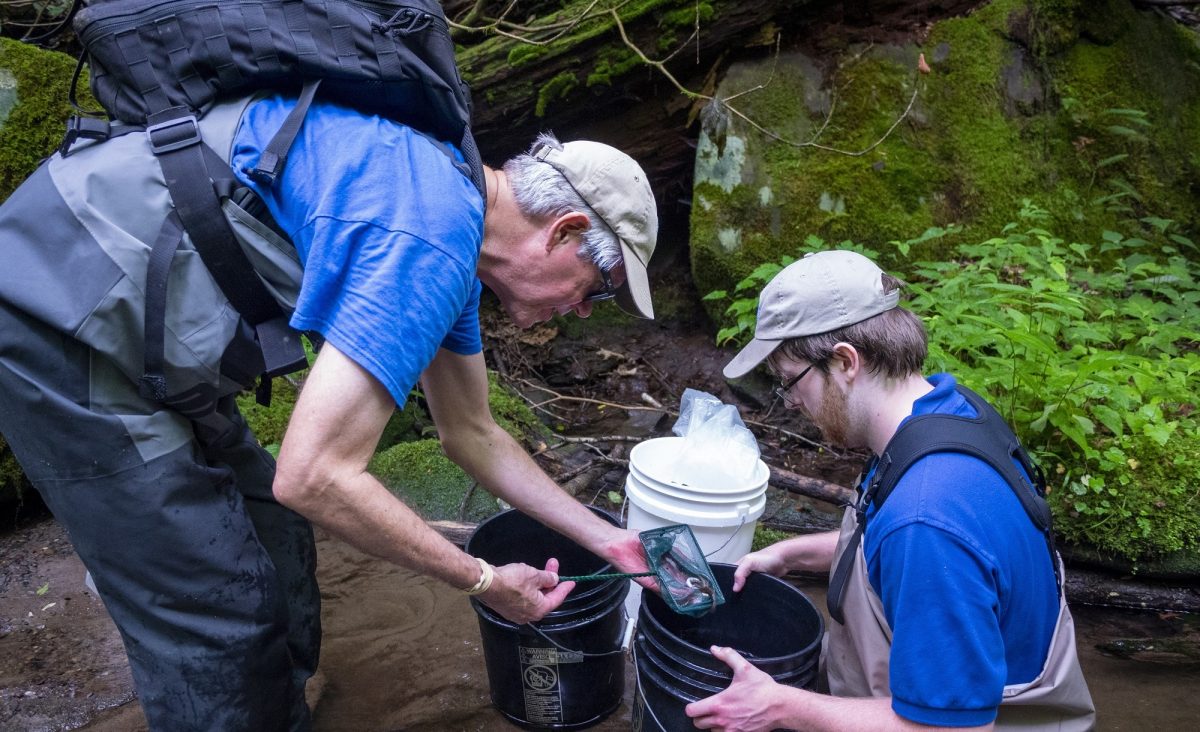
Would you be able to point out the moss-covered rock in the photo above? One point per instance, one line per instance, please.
(1093, 113)
(429, 483)
(512, 412)
(34, 86)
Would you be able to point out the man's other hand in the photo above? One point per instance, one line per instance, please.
(523, 594)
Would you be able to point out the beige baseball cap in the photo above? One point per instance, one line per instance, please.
(823, 291)
(616, 188)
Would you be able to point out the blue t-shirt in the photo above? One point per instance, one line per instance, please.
(388, 232)
(965, 579)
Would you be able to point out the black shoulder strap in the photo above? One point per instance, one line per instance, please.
(193, 173)
(986, 437)
(274, 157)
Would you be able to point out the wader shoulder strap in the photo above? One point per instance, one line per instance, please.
(193, 174)
(985, 436)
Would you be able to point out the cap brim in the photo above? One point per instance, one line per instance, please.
(633, 296)
(752, 355)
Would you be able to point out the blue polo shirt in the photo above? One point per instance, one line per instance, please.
(387, 229)
(965, 580)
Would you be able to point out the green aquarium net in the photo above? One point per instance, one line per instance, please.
(677, 562)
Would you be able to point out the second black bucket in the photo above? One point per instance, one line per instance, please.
(770, 622)
(567, 671)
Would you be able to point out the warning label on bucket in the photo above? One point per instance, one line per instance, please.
(539, 676)
(548, 656)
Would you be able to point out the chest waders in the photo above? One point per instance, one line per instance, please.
(858, 644)
(143, 287)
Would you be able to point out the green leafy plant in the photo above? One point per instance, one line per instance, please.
(1090, 352)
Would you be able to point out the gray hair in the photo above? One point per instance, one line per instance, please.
(541, 191)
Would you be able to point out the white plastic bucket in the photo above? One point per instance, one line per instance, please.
(723, 512)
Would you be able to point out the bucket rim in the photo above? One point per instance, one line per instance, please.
(643, 612)
(762, 472)
(727, 515)
(584, 598)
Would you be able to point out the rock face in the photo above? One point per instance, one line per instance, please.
(1092, 112)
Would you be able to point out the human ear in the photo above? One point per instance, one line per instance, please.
(563, 228)
(846, 358)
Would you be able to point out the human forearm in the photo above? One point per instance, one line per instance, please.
(456, 388)
(808, 553)
(359, 510)
(322, 474)
(499, 463)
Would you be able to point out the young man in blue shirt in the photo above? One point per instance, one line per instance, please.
(949, 613)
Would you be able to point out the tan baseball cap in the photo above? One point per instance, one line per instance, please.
(616, 188)
(823, 291)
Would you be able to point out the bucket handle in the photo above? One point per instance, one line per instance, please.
(735, 533)
(552, 642)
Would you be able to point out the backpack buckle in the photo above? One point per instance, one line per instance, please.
(88, 128)
(174, 134)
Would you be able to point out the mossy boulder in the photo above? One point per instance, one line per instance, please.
(34, 87)
(1091, 112)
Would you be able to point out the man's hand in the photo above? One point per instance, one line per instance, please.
(746, 706)
(624, 551)
(523, 594)
(765, 560)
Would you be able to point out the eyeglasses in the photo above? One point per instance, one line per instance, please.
(606, 291)
(781, 391)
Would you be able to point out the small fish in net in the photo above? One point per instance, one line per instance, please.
(677, 562)
(687, 582)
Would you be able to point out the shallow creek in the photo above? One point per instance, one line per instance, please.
(403, 652)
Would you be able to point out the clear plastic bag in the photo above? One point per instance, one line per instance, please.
(719, 451)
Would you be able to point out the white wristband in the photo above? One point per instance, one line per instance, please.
(487, 574)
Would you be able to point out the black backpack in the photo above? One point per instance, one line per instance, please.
(159, 65)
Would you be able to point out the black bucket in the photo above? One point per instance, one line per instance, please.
(571, 674)
(770, 622)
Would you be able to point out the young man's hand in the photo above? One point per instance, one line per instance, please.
(747, 705)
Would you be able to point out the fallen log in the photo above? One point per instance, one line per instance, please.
(821, 490)
(1089, 587)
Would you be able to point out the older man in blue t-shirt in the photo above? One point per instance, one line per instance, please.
(199, 544)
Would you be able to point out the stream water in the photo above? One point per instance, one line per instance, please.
(403, 653)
